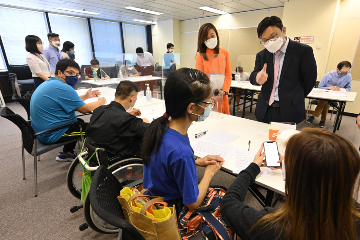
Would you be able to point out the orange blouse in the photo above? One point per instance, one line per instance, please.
(220, 64)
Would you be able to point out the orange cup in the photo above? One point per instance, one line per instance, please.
(273, 132)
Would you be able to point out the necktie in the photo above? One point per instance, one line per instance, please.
(276, 72)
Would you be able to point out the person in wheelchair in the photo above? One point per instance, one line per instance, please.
(169, 162)
(116, 127)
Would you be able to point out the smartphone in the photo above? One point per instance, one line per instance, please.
(271, 154)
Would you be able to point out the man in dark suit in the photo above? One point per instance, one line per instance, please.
(287, 72)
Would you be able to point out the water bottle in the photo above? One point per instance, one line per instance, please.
(95, 76)
(148, 93)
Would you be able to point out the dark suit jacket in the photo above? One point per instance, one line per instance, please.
(298, 77)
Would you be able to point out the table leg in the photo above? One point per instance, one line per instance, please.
(257, 194)
(245, 93)
(234, 94)
(269, 198)
(340, 111)
(252, 101)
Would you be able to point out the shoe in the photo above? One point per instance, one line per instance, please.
(66, 157)
(238, 110)
(310, 119)
(321, 124)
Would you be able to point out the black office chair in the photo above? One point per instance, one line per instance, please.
(29, 140)
(24, 102)
(21, 78)
(104, 190)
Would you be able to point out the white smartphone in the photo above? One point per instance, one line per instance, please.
(271, 154)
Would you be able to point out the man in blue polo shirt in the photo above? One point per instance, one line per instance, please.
(54, 103)
(52, 52)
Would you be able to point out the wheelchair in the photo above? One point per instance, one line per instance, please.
(126, 170)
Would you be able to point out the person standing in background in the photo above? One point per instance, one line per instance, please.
(287, 72)
(38, 64)
(68, 50)
(240, 75)
(169, 59)
(52, 52)
(145, 62)
(211, 59)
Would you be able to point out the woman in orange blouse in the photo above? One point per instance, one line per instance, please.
(211, 59)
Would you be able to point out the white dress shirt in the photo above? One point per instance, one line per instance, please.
(281, 58)
(146, 61)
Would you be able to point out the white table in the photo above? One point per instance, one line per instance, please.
(333, 97)
(246, 129)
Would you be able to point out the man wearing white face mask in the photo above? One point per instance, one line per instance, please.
(287, 72)
(128, 70)
(52, 52)
(116, 127)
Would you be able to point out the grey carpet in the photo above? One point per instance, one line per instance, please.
(48, 216)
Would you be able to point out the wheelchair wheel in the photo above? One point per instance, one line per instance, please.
(126, 171)
(74, 178)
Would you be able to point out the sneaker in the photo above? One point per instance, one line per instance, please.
(310, 119)
(238, 110)
(321, 124)
(66, 157)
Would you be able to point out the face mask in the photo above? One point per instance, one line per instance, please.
(211, 43)
(205, 114)
(56, 43)
(40, 47)
(71, 80)
(72, 52)
(95, 69)
(141, 56)
(341, 74)
(273, 46)
(171, 50)
(130, 68)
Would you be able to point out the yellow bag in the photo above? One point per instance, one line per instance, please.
(150, 215)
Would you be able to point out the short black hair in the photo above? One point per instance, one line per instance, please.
(139, 50)
(30, 44)
(94, 62)
(342, 64)
(64, 63)
(67, 45)
(239, 69)
(169, 45)
(267, 22)
(125, 88)
(52, 35)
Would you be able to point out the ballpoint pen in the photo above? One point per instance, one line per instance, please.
(249, 145)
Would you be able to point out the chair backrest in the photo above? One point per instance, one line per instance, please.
(24, 102)
(22, 72)
(104, 190)
(317, 84)
(101, 154)
(82, 70)
(28, 133)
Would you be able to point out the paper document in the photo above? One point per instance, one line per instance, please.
(220, 137)
(337, 94)
(150, 115)
(203, 148)
(94, 99)
(242, 159)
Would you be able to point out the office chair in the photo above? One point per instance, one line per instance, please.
(21, 78)
(24, 102)
(30, 142)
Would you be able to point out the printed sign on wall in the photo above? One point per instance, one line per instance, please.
(305, 40)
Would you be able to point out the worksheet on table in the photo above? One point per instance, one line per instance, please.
(220, 137)
(242, 160)
(203, 148)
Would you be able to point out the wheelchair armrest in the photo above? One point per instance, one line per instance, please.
(63, 125)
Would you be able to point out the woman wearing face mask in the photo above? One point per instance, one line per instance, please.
(38, 64)
(128, 70)
(68, 50)
(211, 59)
(169, 163)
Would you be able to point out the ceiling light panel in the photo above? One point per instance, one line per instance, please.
(77, 11)
(143, 10)
(213, 10)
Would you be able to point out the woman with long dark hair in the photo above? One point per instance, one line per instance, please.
(169, 163)
(322, 173)
(68, 50)
(211, 59)
(38, 64)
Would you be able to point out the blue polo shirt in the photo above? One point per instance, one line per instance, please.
(168, 59)
(52, 104)
(172, 171)
(53, 55)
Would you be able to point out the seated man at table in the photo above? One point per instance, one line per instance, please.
(89, 72)
(116, 127)
(336, 80)
(54, 103)
(128, 70)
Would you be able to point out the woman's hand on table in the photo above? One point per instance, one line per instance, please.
(209, 160)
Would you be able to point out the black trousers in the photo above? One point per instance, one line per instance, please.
(72, 133)
(272, 115)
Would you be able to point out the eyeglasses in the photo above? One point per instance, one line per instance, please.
(73, 73)
(212, 103)
(266, 40)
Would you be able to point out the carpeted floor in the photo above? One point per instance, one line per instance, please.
(48, 216)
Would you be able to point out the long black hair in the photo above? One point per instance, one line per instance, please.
(183, 86)
(30, 44)
(67, 45)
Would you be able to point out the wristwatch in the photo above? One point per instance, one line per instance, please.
(226, 93)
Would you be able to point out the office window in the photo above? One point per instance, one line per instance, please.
(2, 62)
(15, 25)
(107, 41)
(134, 37)
(75, 30)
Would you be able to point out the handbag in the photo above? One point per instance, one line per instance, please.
(151, 223)
(206, 219)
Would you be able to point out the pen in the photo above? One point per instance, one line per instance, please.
(200, 134)
(249, 145)
(96, 95)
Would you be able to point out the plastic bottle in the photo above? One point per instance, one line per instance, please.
(95, 76)
(148, 93)
(121, 75)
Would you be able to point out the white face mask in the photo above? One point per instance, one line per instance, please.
(130, 68)
(171, 50)
(211, 43)
(274, 45)
(95, 69)
(56, 43)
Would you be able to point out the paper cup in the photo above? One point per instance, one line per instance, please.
(273, 132)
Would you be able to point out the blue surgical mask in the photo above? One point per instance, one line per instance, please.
(205, 114)
(141, 56)
(341, 74)
(72, 80)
